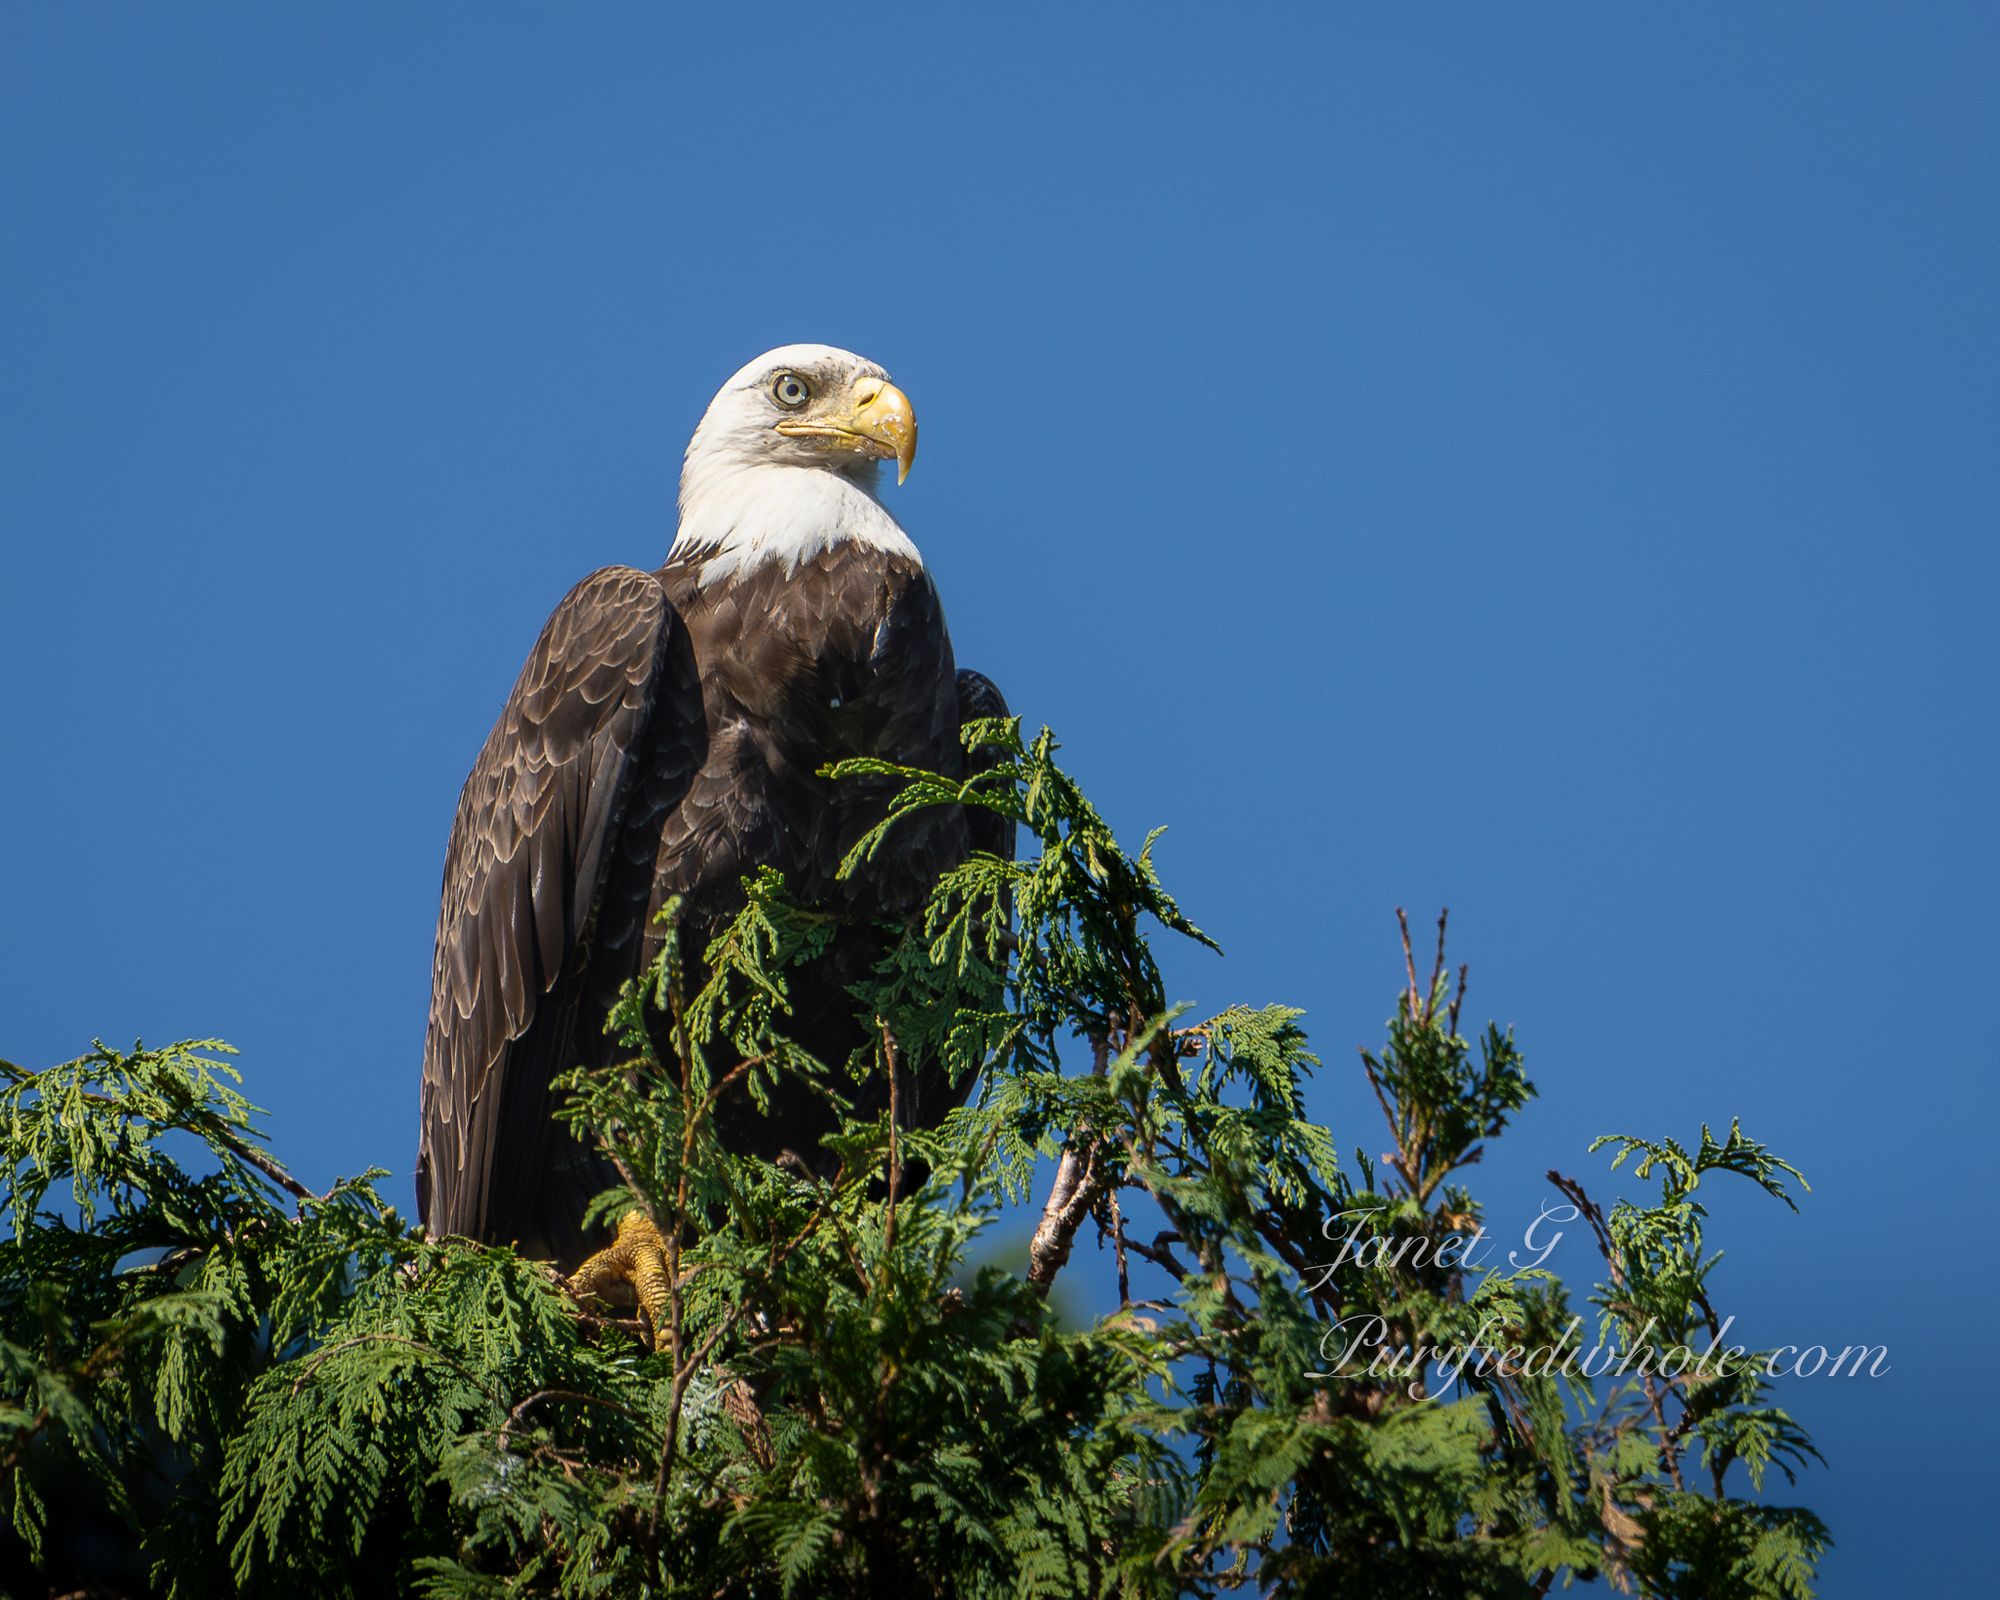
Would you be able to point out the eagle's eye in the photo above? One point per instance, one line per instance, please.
(790, 390)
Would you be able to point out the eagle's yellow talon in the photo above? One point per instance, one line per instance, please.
(638, 1257)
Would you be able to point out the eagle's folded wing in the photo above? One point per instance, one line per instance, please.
(530, 849)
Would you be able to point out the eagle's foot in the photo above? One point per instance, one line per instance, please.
(638, 1257)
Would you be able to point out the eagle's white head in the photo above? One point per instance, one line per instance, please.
(785, 460)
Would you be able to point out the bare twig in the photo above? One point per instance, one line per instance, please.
(201, 1125)
(1072, 1197)
(1397, 1130)
(1409, 955)
(1160, 1252)
(514, 1416)
(1656, 1394)
(1118, 1247)
(269, 1167)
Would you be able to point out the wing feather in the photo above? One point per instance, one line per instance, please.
(530, 847)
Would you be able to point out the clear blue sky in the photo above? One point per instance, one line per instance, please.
(1539, 459)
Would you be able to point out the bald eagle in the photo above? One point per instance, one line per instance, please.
(665, 738)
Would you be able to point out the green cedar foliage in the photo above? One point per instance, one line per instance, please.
(215, 1382)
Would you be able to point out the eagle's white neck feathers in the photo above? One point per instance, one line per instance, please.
(750, 495)
(744, 513)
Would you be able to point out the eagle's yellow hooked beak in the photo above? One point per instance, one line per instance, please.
(882, 424)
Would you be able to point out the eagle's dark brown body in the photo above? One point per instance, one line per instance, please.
(665, 738)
